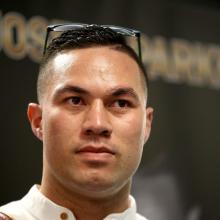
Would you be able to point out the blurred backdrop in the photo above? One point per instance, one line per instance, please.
(179, 178)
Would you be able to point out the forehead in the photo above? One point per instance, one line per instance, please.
(100, 67)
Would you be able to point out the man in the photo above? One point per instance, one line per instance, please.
(93, 121)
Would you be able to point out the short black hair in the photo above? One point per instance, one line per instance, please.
(90, 36)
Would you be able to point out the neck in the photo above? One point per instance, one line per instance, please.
(86, 207)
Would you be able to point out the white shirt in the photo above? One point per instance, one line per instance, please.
(35, 206)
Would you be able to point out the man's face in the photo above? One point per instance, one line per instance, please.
(94, 120)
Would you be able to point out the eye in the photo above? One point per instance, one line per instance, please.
(121, 103)
(75, 100)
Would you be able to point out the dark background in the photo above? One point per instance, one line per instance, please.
(179, 176)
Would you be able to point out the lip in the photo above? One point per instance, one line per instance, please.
(96, 155)
(95, 150)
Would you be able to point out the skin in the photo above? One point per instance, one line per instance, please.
(96, 100)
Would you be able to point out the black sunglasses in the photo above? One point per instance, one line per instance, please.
(128, 33)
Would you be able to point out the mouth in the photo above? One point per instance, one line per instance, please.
(92, 153)
(95, 150)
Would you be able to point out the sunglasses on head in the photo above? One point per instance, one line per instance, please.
(132, 36)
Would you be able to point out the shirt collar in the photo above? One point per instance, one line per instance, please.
(128, 214)
(43, 208)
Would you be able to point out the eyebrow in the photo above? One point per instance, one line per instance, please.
(70, 89)
(123, 91)
(116, 92)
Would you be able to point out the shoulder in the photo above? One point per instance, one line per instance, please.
(17, 210)
(4, 216)
(11, 211)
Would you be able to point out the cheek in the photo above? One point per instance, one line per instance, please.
(58, 124)
(59, 130)
(131, 130)
(130, 135)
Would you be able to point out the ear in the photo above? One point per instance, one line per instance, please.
(149, 120)
(34, 114)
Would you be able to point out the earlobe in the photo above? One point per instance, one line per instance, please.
(34, 114)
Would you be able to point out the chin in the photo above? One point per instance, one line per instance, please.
(102, 188)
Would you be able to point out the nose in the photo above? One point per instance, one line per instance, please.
(96, 120)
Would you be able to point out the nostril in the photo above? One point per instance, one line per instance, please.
(89, 131)
(106, 133)
(100, 132)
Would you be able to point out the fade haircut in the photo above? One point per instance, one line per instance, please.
(90, 36)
